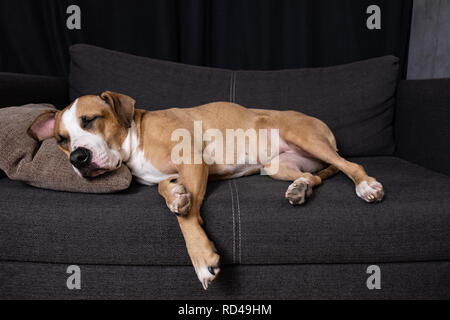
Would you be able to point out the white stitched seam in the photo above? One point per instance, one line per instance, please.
(234, 87)
(232, 79)
(239, 222)
(231, 86)
(234, 232)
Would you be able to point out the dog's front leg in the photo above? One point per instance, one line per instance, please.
(201, 250)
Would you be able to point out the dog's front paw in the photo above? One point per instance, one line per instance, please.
(181, 202)
(298, 191)
(207, 269)
(206, 275)
(370, 191)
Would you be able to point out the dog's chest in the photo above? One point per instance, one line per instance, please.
(144, 172)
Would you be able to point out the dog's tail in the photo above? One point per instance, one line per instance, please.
(328, 172)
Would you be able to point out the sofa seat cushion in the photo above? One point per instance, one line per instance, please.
(248, 219)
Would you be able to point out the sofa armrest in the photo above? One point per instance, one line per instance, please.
(19, 89)
(422, 123)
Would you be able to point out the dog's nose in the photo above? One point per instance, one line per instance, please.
(81, 158)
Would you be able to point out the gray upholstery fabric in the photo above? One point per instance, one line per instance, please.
(356, 100)
(248, 219)
(154, 84)
(430, 280)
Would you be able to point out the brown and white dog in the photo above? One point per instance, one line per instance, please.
(100, 133)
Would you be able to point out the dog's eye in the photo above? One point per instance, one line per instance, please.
(88, 122)
(61, 140)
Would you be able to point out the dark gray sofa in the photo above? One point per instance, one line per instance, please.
(128, 245)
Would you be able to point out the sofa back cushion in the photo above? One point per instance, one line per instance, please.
(355, 100)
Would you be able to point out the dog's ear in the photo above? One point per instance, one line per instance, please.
(122, 105)
(43, 126)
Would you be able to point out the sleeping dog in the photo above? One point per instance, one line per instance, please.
(100, 133)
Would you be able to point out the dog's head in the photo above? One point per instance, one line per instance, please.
(90, 131)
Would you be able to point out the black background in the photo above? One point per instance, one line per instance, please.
(235, 34)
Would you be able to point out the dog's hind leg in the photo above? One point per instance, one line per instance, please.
(317, 140)
(366, 187)
(303, 182)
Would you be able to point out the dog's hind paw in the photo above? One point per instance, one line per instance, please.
(181, 202)
(298, 191)
(370, 191)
